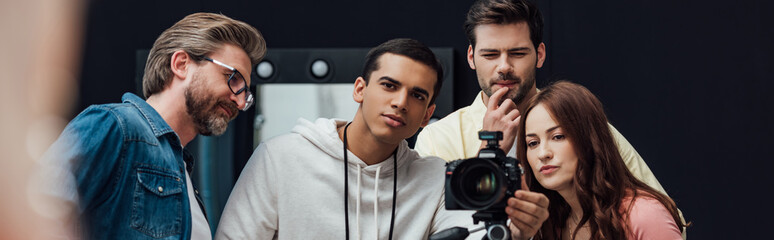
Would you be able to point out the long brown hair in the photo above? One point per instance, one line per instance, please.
(602, 180)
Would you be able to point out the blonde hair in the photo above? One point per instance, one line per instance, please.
(198, 34)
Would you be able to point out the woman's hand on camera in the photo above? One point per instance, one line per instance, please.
(527, 211)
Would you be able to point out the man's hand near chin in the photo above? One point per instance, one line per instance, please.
(502, 117)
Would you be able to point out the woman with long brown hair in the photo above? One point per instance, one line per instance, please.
(572, 158)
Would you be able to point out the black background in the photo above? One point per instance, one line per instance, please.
(684, 81)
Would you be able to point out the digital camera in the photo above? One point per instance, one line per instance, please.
(483, 183)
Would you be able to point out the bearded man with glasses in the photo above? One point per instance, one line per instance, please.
(207, 111)
(128, 170)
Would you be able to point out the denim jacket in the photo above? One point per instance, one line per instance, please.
(128, 165)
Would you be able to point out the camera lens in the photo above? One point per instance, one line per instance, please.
(477, 184)
(482, 186)
(486, 184)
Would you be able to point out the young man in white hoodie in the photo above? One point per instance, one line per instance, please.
(331, 179)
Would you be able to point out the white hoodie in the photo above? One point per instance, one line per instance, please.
(293, 188)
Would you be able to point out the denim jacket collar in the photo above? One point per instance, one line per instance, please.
(159, 126)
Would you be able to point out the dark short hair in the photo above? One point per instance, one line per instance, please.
(504, 12)
(409, 48)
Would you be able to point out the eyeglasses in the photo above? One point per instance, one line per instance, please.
(236, 83)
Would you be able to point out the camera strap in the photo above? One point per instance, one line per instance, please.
(346, 186)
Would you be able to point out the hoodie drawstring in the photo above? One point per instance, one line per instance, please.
(376, 202)
(376, 192)
(357, 205)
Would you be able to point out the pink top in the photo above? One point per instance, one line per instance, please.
(649, 219)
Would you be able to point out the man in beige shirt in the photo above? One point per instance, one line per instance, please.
(505, 50)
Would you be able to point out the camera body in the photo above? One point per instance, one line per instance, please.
(483, 183)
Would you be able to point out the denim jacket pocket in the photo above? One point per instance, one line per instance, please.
(157, 210)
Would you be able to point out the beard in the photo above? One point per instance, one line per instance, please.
(516, 95)
(204, 109)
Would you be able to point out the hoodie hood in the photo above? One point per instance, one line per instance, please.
(323, 134)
